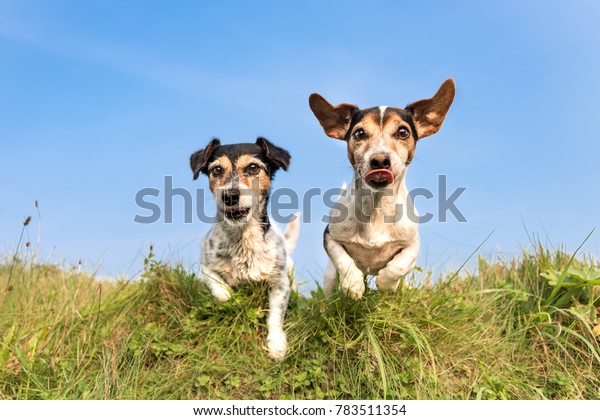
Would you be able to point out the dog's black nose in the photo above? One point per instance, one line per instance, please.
(380, 161)
(231, 197)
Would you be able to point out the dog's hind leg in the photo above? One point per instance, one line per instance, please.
(291, 233)
(290, 237)
(278, 302)
(330, 279)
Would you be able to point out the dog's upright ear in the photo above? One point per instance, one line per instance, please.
(199, 160)
(335, 120)
(276, 156)
(429, 113)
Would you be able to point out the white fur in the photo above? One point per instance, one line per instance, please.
(382, 112)
(386, 245)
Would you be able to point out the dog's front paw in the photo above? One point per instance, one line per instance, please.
(277, 346)
(353, 283)
(389, 278)
(387, 281)
(222, 294)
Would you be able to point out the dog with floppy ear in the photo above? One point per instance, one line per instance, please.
(381, 142)
(243, 246)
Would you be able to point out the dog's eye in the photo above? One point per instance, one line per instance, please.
(360, 134)
(253, 169)
(403, 133)
(217, 171)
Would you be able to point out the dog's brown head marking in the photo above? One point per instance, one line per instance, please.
(240, 174)
(382, 140)
(247, 171)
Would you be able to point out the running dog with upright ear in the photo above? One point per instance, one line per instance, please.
(381, 144)
(243, 246)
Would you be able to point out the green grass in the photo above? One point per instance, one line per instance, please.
(521, 329)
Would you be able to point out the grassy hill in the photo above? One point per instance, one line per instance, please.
(521, 329)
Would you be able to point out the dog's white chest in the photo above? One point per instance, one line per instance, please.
(372, 245)
(248, 257)
(250, 265)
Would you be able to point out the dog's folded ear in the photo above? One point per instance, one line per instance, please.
(275, 156)
(199, 160)
(429, 113)
(335, 120)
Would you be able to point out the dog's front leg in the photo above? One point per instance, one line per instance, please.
(218, 287)
(352, 280)
(389, 277)
(278, 302)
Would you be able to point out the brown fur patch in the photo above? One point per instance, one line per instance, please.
(239, 169)
(380, 130)
(392, 122)
(214, 182)
(260, 182)
(429, 113)
(370, 124)
(335, 120)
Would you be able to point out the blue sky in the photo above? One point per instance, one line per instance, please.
(99, 99)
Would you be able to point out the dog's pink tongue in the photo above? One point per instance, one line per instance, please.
(380, 175)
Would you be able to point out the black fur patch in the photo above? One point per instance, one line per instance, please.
(279, 266)
(234, 151)
(266, 223)
(199, 161)
(275, 157)
(359, 115)
(325, 233)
